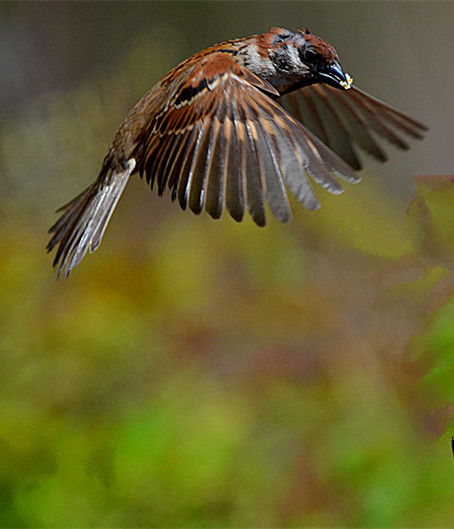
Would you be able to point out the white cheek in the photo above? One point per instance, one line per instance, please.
(297, 66)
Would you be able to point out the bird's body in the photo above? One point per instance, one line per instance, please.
(213, 132)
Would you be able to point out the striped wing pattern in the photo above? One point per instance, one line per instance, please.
(221, 141)
(228, 144)
(345, 119)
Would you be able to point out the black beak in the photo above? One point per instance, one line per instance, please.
(335, 76)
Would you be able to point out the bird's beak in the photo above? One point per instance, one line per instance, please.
(335, 76)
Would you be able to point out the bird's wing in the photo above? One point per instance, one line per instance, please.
(342, 119)
(222, 141)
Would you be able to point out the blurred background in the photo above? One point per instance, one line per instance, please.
(200, 373)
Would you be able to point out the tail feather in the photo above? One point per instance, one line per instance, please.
(85, 218)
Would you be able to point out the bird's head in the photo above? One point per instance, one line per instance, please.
(306, 58)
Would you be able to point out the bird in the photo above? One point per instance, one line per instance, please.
(234, 127)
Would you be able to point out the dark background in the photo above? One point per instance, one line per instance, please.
(198, 373)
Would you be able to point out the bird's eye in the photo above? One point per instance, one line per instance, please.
(310, 55)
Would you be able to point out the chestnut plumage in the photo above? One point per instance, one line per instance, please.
(213, 132)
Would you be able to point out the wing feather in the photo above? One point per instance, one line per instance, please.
(359, 126)
(216, 183)
(234, 198)
(223, 142)
(336, 133)
(183, 146)
(319, 160)
(274, 178)
(255, 181)
(203, 155)
(187, 169)
(342, 119)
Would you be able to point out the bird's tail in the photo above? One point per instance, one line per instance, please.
(85, 219)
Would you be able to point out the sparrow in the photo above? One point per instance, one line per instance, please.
(213, 131)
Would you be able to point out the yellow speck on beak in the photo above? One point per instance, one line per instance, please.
(349, 82)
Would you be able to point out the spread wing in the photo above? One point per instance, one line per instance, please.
(222, 141)
(342, 119)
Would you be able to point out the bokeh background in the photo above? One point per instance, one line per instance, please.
(194, 373)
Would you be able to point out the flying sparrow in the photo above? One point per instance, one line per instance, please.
(213, 132)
